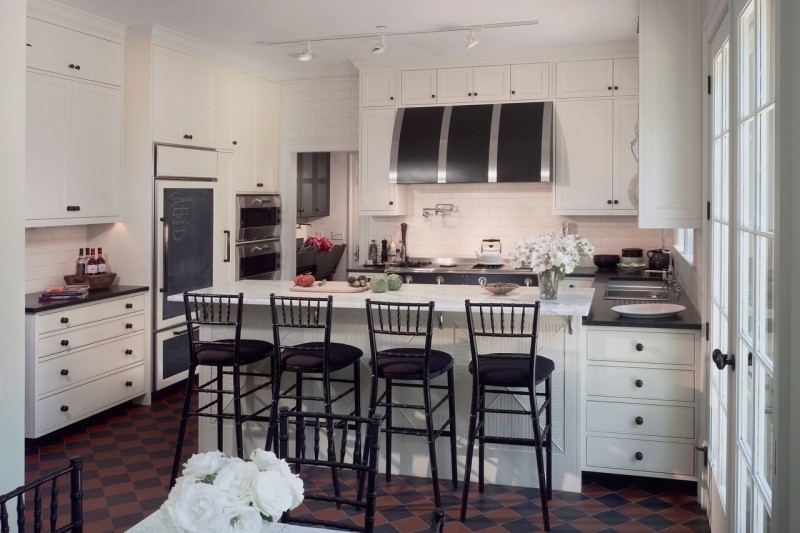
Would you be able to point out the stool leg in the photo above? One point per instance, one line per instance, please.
(452, 404)
(220, 408)
(537, 435)
(481, 434)
(237, 412)
(388, 430)
(300, 444)
(187, 402)
(470, 446)
(426, 393)
(548, 418)
(272, 427)
(373, 405)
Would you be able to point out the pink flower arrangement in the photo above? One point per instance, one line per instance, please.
(324, 244)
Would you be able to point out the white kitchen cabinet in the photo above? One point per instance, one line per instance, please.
(418, 87)
(641, 407)
(530, 81)
(378, 196)
(594, 162)
(184, 99)
(267, 109)
(71, 53)
(454, 85)
(597, 78)
(82, 359)
(378, 89)
(670, 115)
(473, 84)
(74, 137)
(225, 109)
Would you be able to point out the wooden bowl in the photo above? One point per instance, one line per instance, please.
(500, 288)
(96, 282)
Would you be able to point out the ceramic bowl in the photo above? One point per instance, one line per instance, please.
(606, 261)
(500, 288)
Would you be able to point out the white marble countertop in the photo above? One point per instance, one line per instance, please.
(570, 302)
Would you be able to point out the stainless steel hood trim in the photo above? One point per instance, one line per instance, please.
(547, 140)
(441, 173)
(493, 133)
(398, 126)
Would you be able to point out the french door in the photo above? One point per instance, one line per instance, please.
(742, 234)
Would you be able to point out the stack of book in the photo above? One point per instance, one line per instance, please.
(64, 292)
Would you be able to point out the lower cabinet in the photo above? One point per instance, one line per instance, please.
(82, 359)
(641, 403)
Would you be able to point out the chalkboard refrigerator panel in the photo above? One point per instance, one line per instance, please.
(171, 363)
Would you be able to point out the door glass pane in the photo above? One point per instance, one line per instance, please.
(748, 501)
(767, 430)
(766, 51)
(725, 196)
(766, 158)
(747, 174)
(747, 282)
(750, 392)
(765, 340)
(747, 59)
(766, 520)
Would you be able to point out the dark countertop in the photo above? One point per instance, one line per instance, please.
(602, 315)
(33, 305)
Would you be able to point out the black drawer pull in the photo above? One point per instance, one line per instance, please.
(71, 65)
(639, 420)
(128, 326)
(128, 306)
(639, 383)
(235, 143)
(129, 383)
(616, 87)
(64, 320)
(609, 87)
(128, 352)
(64, 408)
(64, 372)
(469, 94)
(639, 346)
(64, 342)
(185, 135)
(639, 456)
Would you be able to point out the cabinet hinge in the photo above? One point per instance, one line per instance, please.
(708, 210)
(707, 332)
(703, 449)
(709, 84)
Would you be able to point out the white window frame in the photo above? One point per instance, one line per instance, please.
(684, 243)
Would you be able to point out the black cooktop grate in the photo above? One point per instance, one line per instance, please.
(489, 267)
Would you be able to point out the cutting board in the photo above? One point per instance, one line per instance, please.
(330, 286)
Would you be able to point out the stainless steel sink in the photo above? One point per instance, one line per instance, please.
(636, 289)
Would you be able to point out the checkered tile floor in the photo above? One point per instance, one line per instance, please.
(127, 454)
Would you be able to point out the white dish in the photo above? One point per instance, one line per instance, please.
(648, 310)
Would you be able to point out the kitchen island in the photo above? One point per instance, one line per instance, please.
(559, 340)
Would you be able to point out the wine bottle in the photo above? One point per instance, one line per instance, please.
(101, 262)
(80, 264)
(91, 265)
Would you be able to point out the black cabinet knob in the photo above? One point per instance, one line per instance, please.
(616, 202)
(128, 306)
(64, 320)
(391, 98)
(391, 203)
(128, 352)
(129, 383)
(469, 94)
(513, 92)
(608, 202)
(77, 208)
(475, 94)
(185, 135)
(64, 342)
(609, 87)
(77, 67)
(191, 136)
(71, 65)
(259, 184)
(616, 87)
(64, 372)
(128, 326)
(234, 143)
(639, 346)
(64, 408)
(639, 383)
(639, 420)
(433, 96)
(639, 456)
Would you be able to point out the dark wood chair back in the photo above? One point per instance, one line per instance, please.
(213, 311)
(394, 320)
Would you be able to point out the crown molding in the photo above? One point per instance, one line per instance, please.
(77, 20)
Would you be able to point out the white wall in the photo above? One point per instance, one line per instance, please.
(319, 110)
(50, 253)
(12, 154)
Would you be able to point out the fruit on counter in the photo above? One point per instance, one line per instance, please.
(304, 280)
(358, 281)
(395, 281)
(380, 284)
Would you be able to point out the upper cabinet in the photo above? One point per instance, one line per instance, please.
(418, 87)
(71, 53)
(184, 99)
(473, 84)
(313, 185)
(378, 89)
(670, 110)
(378, 196)
(267, 109)
(597, 78)
(530, 81)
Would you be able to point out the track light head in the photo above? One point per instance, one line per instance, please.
(306, 54)
(381, 47)
(472, 41)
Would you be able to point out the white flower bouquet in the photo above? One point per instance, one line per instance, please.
(223, 494)
(550, 252)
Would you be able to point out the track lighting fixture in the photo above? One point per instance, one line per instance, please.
(380, 48)
(306, 54)
(472, 41)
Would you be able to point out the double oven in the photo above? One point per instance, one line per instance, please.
(258, 232)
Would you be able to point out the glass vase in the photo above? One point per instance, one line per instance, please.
(548, 284)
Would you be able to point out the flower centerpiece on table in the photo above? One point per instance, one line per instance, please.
(227, 494)
(323, 244)
(551, 257)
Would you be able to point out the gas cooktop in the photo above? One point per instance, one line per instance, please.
(412, 264)
(489, 267)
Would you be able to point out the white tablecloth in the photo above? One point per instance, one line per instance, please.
(153, 524)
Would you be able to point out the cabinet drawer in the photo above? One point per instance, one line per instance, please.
(640, 346)
(656, 420)
(640, 383)
(664, 457)
(578, 283)
(76, 403)
(75, 338)
(69, 317)
(86, 364)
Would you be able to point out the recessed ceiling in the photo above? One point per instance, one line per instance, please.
(236, 25)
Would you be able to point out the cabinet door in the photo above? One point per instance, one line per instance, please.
(94, 150)
(47, 47)
(378, 89)
(418, 87)
(201, 101)
(322, 184)
(584, 79)
(223, 240)
(626, 168)
(169, 96)
(244, 132)
(305, 184)
(225, 109)
(454, 85)
(47, 146)
(491, 84)
(584, 130)
(267, 108)
(626, 76)
(95, 59)
(530, 81)
(378, 196)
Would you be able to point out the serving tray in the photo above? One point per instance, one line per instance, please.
(329, 286)
(648, 310)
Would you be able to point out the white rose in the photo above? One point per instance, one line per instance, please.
(271, 494)
(201, 465)
(264, 459)
(197, 508)
(180, 486)
(239, 518)
(235, 478)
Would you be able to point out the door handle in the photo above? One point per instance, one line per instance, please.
(723, 359)
(164, 240)
(227, 246)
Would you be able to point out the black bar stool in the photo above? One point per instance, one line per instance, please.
(504, 373)
(214, 312)
(311, 361)
(410, 367)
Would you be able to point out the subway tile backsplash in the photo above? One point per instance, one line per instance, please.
(508, 212)
(50, 253)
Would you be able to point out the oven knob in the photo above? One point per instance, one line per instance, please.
(528, 282)
(482, 281)
(439, 280)
(409, 279)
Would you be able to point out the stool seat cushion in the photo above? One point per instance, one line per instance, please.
(307, 357)
(407, 363)
(221, 352)
(499, 371)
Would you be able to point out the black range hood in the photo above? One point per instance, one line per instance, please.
(473, 144)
